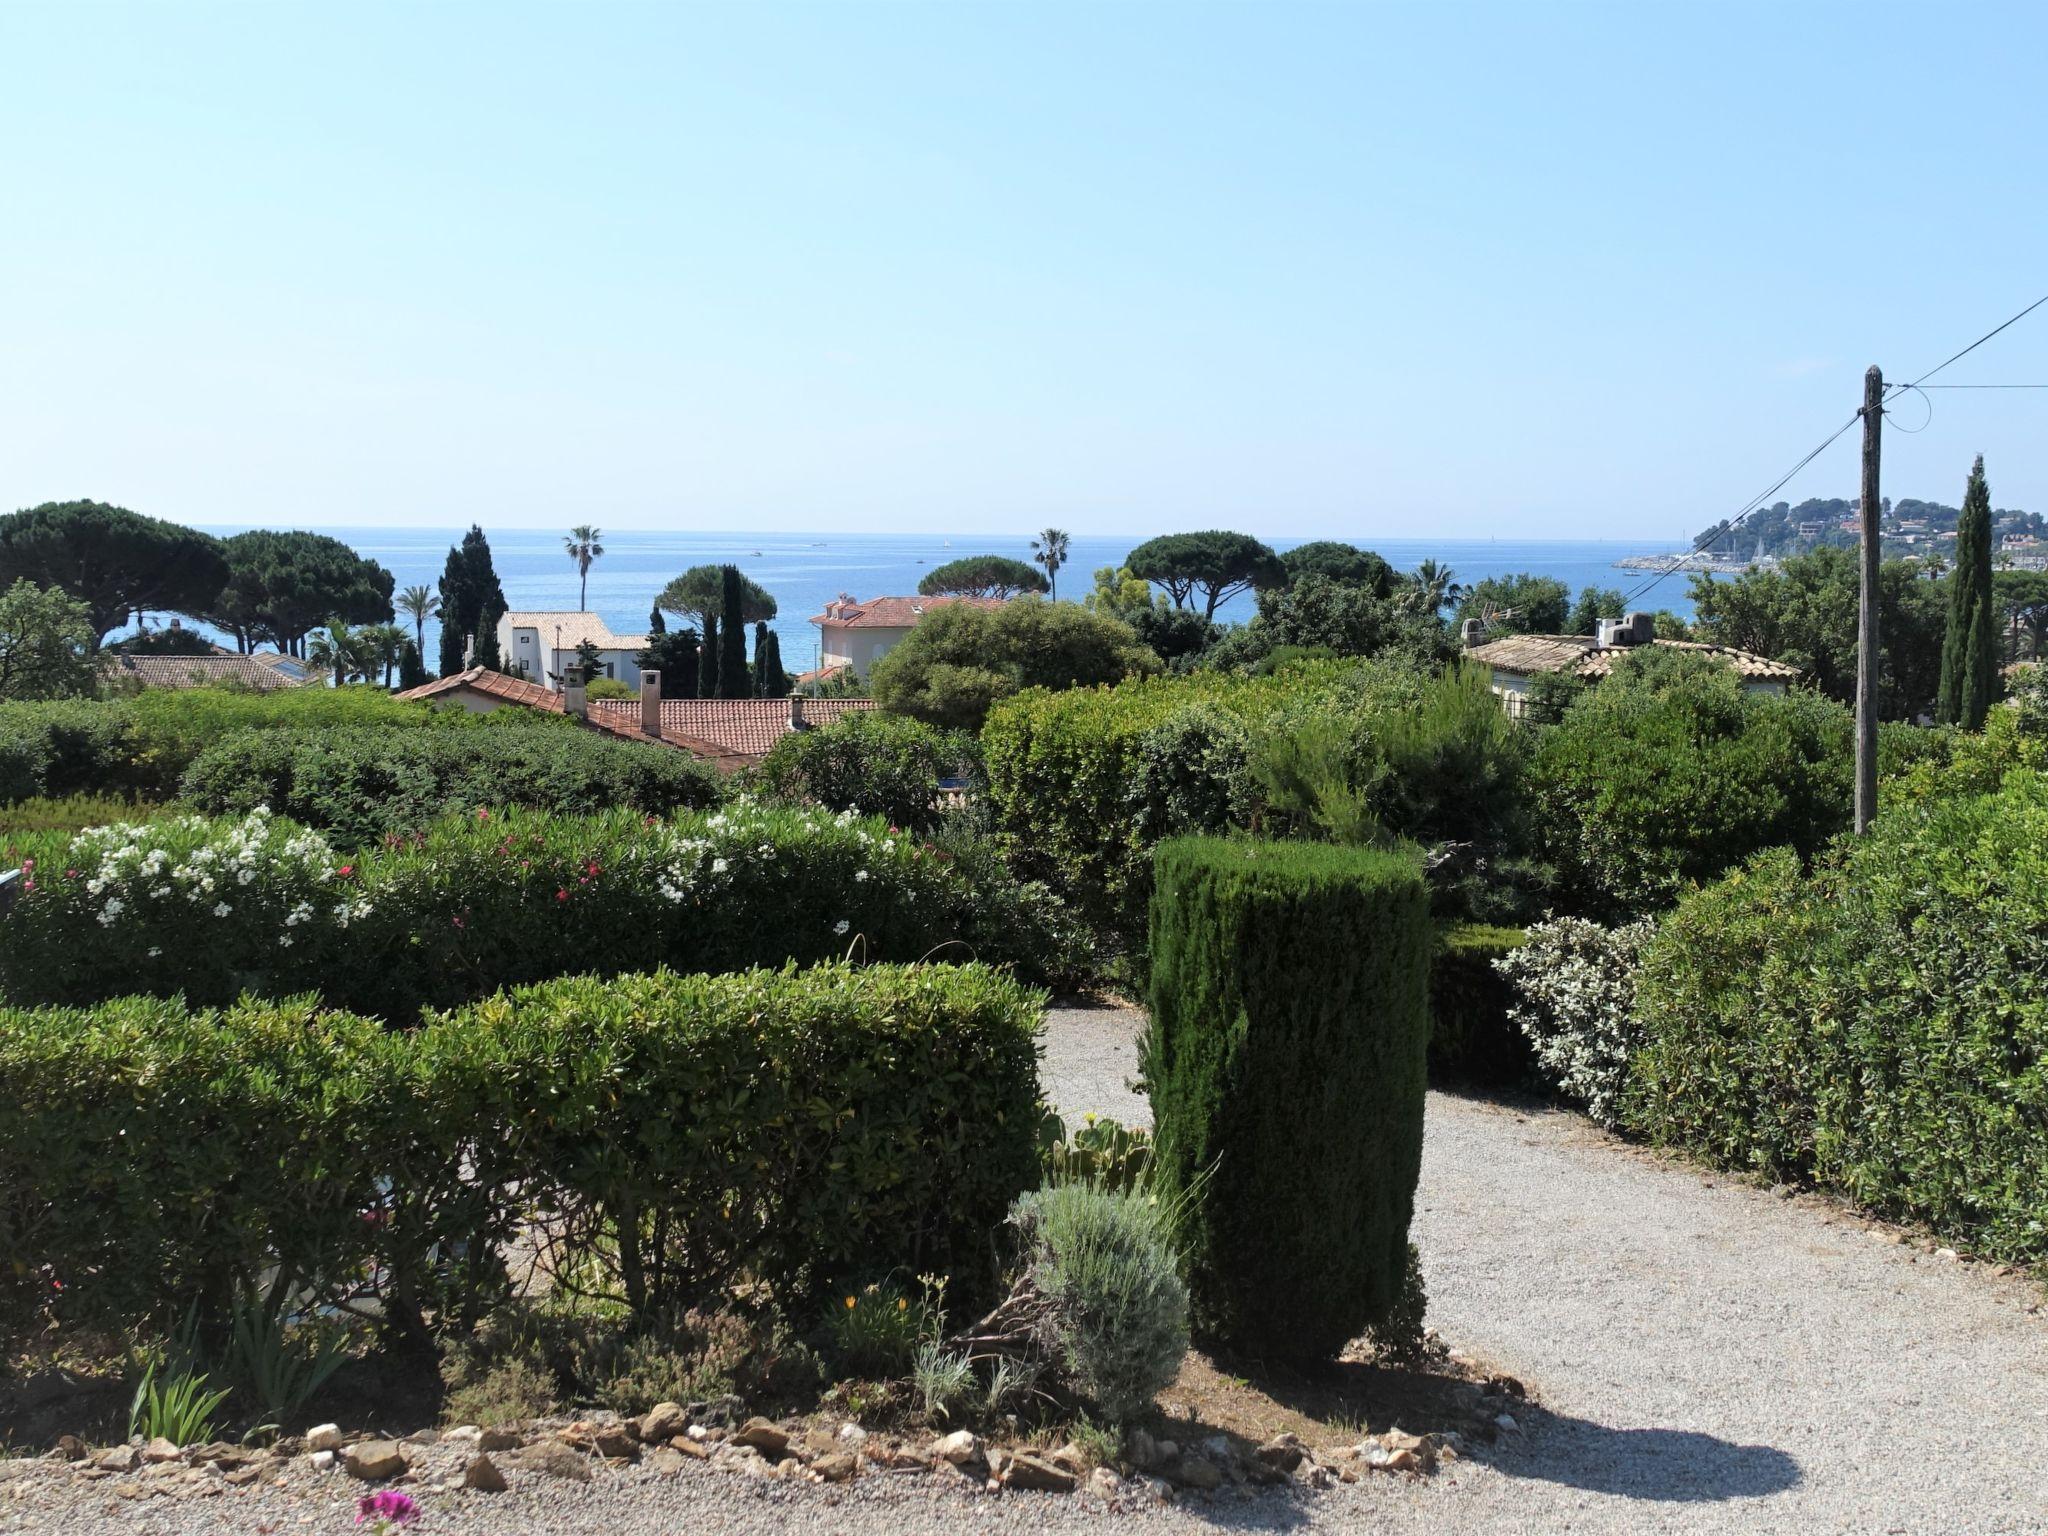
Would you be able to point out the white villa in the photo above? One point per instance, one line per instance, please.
(853, 634)
(539, 646)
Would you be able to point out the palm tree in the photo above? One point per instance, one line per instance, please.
(1432, 589)
(383, 647)
(1049, 549)
(346, 652)
(419, 605)
(583, 549)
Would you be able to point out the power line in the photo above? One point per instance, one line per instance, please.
(1973, 346)
(1708, 538)
(1973, 386)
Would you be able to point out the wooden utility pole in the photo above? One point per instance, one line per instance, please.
(1866, 607)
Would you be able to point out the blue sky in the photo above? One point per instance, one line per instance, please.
(1569, 270)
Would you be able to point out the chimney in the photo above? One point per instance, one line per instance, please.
(650, 703)
(1643, 627)
(573, 702)
(796, 711)
(1471, 633)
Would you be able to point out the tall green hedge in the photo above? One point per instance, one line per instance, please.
(1471, 1038)
(359, 783)
(215, 908)
(1286, 1055)
(797, 1129)
(1878, 1027)
(141, 744)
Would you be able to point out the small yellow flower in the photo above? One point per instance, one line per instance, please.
(849, 1303)
(902, 1305)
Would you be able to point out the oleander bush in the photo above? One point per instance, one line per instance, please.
(678, 1132)
(1878, 1026)
(1472, 1038)
(358, 784)
(1286, 1058)
(213, 908)
(1669, 774)
(872, 764)
(141, 744)
(1574, 1000)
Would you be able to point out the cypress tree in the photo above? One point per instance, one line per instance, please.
(411, 670)
(656, 624)
(1969, 650)
(733, 681)
(454, 602)
(470, 593)
(770, 681)
(707, 660)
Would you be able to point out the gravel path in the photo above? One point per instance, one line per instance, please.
(1707, 1356)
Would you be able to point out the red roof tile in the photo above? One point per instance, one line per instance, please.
(195, 672)
(721, 728)
(512, 690)
(890, 612)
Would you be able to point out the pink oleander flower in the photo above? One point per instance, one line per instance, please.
(386, 1510)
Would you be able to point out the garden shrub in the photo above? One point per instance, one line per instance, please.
(1877, 1027)
(1648, 785)
(681, 1132)
(1084, 784)
(215, 908)
(1574, 984)
(141, 744)
(359, 784)
(1472, 1039)
(870, 763)
(1286, 1059)
(1116, 1312)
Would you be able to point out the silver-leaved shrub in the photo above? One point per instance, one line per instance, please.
(1575, 991)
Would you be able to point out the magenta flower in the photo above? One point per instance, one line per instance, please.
(389, 1509)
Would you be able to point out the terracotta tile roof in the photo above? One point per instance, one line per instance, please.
(889, 612)
(513, 690)
(574, 628)
(821, 674)
(1599, 661)
(1531, 653)
(740, 730)
(195, 672)
(1586, 657)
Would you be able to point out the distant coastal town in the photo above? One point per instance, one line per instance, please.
(1909, 530)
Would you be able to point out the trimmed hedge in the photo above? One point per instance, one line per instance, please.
(215, 908)
(1471, 1037)
(358, 783)
(679, 1132)
(1290, 1024)
(1878, 1027)
(143, 743)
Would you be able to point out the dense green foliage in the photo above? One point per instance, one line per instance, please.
(1969, 647)
(963, 658)
(870, 763)
(673, 653)
(1804, 612)
(1340, 562)
(213, 908)
(1669, 773)
(708, 659)
(361, 784)
(1213, 566)
(699, 593)
(142, 744)
(472, 602)
(1083, 784)
(734, 680)
(1340, 617)
(1876, 1027)
(283, 584)
(683, 1131)
(982, 576)
(118, 563)
(46, 644)
(1290, 1024)
(770, 680)
(1520, 604)
(1471, 1037)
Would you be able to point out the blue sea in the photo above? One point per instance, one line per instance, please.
(807, 570)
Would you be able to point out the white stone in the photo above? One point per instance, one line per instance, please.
(323, 1461)
(324, 1437)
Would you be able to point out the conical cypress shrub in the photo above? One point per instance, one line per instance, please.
(1969, 651)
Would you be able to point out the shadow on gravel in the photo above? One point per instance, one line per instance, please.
(1673, 1466)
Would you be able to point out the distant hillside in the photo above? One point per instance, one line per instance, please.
(1910, 527)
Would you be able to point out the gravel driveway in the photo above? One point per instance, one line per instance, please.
(1707, 1356)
